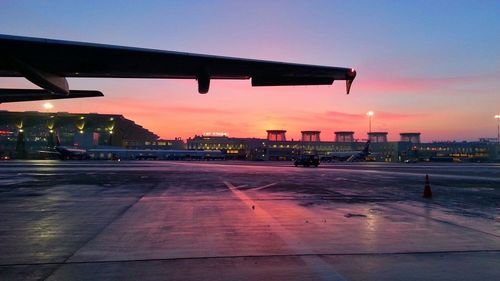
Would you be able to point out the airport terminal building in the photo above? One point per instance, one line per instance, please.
(276, 147)
(23, 134)
(408, 148)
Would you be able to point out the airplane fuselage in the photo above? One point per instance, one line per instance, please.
(67, 153)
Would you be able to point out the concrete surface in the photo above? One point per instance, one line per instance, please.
(248, 221)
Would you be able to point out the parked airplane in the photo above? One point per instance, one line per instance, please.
(47, 63)
(67, 152)
(351, 156)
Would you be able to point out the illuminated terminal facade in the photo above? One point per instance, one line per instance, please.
(277, 147)
(233, 148)
(23, 134)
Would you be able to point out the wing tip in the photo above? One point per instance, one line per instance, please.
(351, 74)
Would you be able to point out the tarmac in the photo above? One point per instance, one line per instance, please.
(225, 220)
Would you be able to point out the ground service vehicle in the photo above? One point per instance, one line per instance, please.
(307, 160)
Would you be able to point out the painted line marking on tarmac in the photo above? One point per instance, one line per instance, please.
(265, 186)
(252, 189)
(323, 269)
(367, 254)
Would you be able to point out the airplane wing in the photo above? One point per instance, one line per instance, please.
(17, 95)
(51, 154)
(47, 63)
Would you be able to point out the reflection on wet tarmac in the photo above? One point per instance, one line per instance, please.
(107, 220)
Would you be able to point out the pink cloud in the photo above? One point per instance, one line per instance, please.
(146, 107)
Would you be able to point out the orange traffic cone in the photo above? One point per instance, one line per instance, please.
(427, 188)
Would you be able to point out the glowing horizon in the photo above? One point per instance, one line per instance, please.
(417, 70)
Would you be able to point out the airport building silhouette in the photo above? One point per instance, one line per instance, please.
(22, 134)
(26, 133)
(277, 147)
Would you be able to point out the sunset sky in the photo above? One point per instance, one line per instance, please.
(426, 66)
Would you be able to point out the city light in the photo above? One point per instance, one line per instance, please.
(215, 134)
(48, 105)
(370, 113)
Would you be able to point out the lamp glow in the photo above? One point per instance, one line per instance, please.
(498, 131)
(370, 114)
(48, 105)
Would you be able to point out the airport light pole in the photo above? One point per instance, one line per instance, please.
(370, 114)
(50, 125)
(498, 131)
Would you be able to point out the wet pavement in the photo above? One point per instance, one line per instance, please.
(156, 220)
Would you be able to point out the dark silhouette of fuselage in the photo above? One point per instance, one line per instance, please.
(351, 156)
(68, 152)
